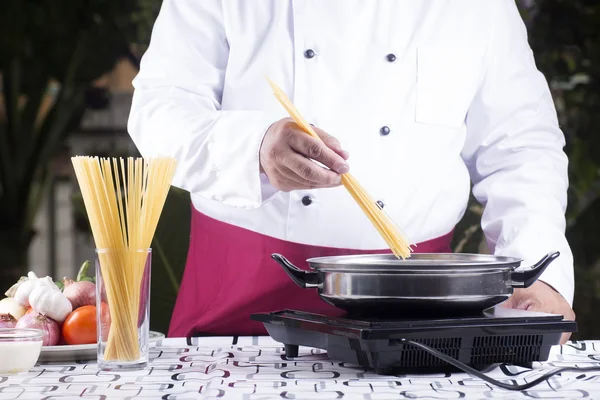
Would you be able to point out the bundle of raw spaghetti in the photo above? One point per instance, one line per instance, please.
(384, 225)
(123, 201)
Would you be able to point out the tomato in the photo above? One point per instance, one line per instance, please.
(80, 326)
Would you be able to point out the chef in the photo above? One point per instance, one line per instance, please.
(418, 99)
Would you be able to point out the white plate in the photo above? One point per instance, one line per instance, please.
(79, 352)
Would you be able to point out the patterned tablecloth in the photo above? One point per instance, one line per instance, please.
(254, 368)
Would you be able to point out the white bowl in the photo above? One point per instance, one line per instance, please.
(19, 349)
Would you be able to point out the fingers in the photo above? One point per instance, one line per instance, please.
(522, 300)
(512, 301)
(306, 170)
(295, 182)
(289, 157)
(318, 151)
(332, 143)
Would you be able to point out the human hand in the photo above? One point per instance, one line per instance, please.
(286, 156)
(542, 298)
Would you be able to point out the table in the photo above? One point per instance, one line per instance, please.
(254, 368)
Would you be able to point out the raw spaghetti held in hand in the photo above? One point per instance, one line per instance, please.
(384, 224)
(124, 200)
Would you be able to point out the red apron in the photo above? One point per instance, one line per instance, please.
(230, 274)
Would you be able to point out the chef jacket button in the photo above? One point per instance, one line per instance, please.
(380, 203)
(391, 57)
(306, 200)
(384, 130)
(309, 53)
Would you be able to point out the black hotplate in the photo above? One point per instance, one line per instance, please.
(499, 335)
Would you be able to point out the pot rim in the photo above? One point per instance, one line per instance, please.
(419, 262)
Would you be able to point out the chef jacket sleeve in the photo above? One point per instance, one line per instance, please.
(514, 151)
(176, 108)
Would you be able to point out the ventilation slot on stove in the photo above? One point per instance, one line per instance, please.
(505, 349)
(412, 357)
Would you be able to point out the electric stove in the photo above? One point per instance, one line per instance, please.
(497, 336)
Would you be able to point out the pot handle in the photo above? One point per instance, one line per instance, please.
(523, 278)
(304, 279)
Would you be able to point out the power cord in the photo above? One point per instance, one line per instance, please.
(482, 376)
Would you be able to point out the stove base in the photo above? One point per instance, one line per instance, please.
(519, 338)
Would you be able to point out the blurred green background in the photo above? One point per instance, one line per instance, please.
(53, 56)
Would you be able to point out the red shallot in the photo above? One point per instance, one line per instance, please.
(7, 321)
(81, 293)
(47, 325)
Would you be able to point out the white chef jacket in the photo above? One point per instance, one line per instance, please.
(424, 95)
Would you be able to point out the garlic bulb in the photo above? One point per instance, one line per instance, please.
(50, 302)
(13, 289)
(24, 289)
(47, 282)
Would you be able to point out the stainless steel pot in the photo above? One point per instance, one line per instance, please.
(422, 284)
